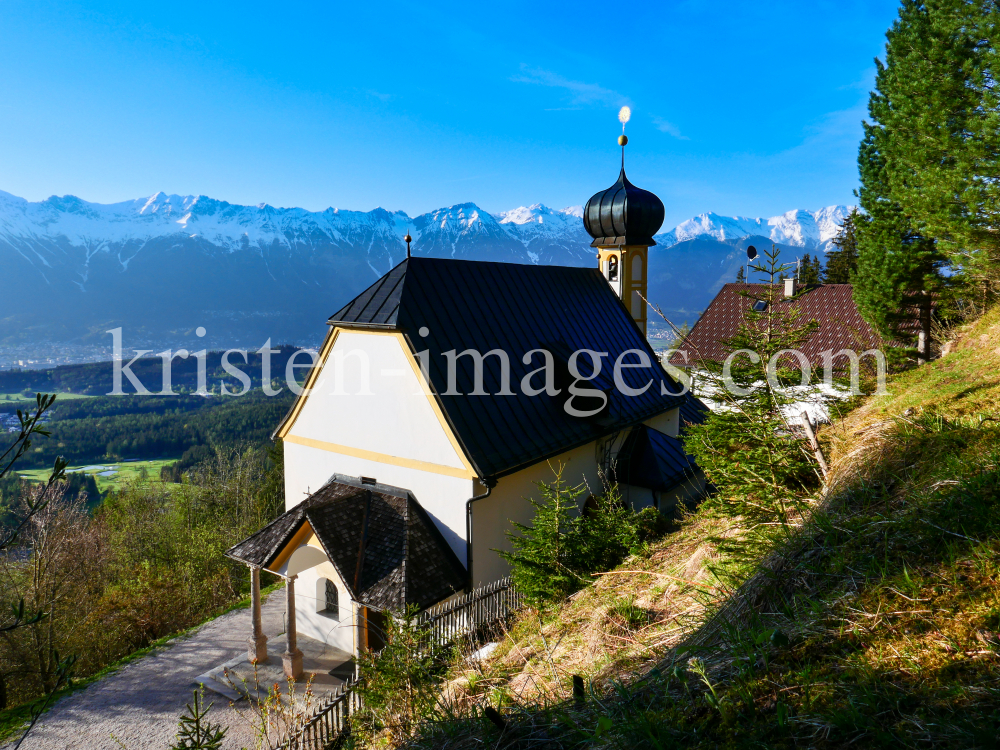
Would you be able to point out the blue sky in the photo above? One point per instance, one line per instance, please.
(738, 108)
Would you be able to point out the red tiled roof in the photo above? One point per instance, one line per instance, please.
(831, 305)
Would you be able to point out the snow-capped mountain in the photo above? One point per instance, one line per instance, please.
(160, 266)
(806, 229)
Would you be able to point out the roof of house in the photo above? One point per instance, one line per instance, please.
(383, 544)
(485, 306)
(648, 458)
(831, 305)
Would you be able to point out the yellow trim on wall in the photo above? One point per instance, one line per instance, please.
(324, 355)
(298, 538)
(383, 458)
(628, 283)
(324, 352)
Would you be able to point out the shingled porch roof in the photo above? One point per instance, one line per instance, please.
(384, 546)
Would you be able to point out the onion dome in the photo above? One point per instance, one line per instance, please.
(623, 215)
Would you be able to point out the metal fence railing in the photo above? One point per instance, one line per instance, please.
(463, 617)
(467, 615)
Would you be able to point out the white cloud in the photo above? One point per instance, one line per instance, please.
(580, 92)
(665, 126)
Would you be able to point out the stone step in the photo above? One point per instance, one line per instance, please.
(216, 682)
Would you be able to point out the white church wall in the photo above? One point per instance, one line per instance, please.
(394, 435)
(339, 631)
(669, 422)
(367, 397)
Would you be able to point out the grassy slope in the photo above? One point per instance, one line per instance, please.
(888, 598)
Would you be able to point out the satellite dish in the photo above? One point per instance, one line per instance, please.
(751, 252)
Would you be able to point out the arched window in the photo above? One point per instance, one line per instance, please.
(327, 599)
(613, 268)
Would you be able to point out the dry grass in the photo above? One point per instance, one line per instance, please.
(877, 624)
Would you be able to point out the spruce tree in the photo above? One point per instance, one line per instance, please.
(741, 276)
(916, 161)
(544, 554)
(843, 262)
(746, 447)
(898, 268)
(195, 731)
(938, 107)
(809, 270)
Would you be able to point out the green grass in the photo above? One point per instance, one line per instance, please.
(126, 471)
(62, 396)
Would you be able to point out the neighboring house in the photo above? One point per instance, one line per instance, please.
(404, 470)
(831, 305)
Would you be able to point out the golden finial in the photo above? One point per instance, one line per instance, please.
(407, 239)
(624, 115)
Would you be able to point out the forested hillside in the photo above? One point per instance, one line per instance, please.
(115, 428)
(97, 378)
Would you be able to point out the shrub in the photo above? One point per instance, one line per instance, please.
(399, 683)
(557, 554)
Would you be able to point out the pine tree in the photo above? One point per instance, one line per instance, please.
(809, 270)
(747, 448)
(938, 106)
(898, 268)
(843, 262)
(195, 732)
(741, 276)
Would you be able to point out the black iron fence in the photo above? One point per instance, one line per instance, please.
(467, 616)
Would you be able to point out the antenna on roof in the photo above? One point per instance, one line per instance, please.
(751, 254)
(407, 240)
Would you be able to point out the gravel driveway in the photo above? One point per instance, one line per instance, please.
(140, 704)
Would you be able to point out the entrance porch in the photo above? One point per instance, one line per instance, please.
(324, 667)
(351, 554)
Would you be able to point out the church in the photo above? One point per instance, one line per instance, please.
(441, 397)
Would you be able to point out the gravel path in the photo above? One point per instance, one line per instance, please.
(140, 704)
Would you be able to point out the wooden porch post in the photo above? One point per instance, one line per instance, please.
(291, 660)
(257, 642)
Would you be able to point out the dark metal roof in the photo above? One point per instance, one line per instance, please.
(515, 308)
(378, 305)
(623, 215)
(649, 458)
(385, 547)
(831, 305)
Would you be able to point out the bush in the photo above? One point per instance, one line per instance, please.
(557, 554)
(399, 683)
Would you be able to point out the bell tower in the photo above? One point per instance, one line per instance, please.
(622, 220)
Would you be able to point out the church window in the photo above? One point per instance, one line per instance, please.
(613, 268)
(329, 600)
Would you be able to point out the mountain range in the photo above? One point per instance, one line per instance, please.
(161, 266)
